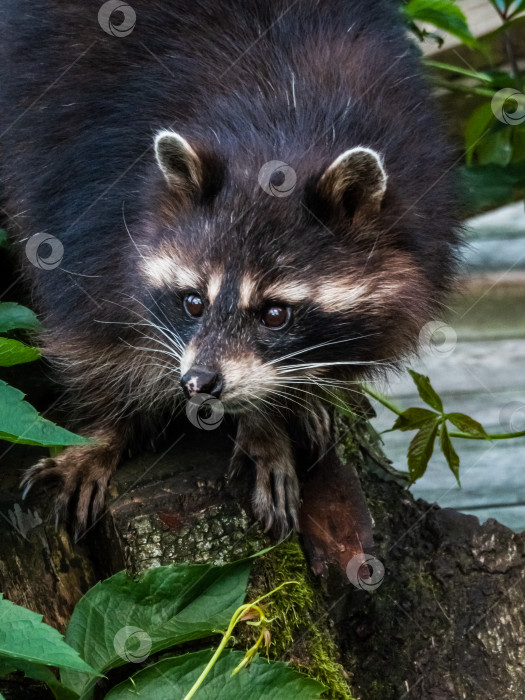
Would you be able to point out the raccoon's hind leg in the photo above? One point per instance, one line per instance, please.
(79, 476)
(276, 497)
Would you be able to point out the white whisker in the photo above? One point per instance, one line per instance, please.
(315, 347)
(314, 365)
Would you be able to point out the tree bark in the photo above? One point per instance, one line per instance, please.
(447, 621)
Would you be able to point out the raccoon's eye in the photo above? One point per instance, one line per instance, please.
(276, 317)
(193, 305)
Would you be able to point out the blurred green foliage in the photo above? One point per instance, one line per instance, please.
(490, 98)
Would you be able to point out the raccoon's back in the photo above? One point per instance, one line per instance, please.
(266, 77)
(259, 81)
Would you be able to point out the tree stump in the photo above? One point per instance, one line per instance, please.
(447, 621)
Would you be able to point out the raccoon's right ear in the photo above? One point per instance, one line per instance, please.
(179, 163)
(356, 181)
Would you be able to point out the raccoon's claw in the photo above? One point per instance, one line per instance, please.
(79, 479)
(237, 464)
(33, 476)
(276, 497)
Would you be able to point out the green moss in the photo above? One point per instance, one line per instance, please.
(422, 581)
(378, 691)
(300, 628)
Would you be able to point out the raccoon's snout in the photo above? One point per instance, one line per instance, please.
(201, 380)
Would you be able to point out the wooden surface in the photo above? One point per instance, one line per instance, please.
(483, 375)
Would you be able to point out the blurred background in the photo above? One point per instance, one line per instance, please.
(476, 357)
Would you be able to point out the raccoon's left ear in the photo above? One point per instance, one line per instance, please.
(356, 180)
(180, 164)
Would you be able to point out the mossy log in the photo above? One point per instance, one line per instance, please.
(447, 621)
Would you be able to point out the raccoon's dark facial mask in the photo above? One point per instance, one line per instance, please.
(244, 333)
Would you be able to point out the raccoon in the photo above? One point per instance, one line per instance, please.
(251, 201)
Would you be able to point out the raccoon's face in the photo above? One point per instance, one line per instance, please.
(260, 296)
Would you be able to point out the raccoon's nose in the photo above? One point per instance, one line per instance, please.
(201, 380)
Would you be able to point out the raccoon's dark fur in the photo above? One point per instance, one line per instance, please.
(257, 192)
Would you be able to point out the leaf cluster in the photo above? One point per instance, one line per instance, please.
(493, 173)
(122, 622)
(430, 424)
(19, 421)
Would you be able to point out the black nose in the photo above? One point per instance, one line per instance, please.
(201, 380)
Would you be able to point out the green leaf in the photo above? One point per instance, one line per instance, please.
(13, 352)
(20, 422)
(426, 391)
(501, 79)
(420, 450)
(467, 424)
(478, 123)
(122, 617)
(490, 186)
(483, 77)
(510, 25)
(38, 673)
(444, 14)
(518, 143)
(449, 452)
(414, 418)
(174, 677)
(14, 315)
(24, 637)
(495, 148)
(3, 238)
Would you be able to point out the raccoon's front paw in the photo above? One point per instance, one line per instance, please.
(276, 498)
(78, 477)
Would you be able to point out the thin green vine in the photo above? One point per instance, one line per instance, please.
(385, 401)
(243, 613)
